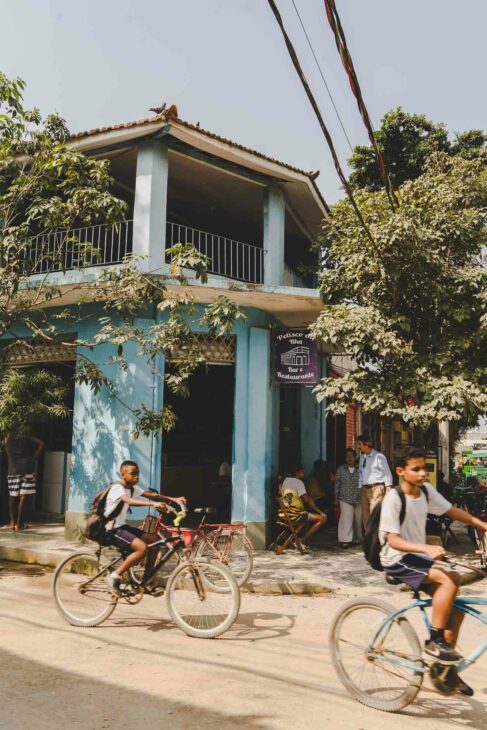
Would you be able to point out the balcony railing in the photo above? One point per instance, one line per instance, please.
(229, 258)
(81, 247)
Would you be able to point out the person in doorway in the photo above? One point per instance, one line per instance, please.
(225, 469)
(131, 541)
(300, 505)
(22, 451)
(347, 493)
(375, 477)
(320, 488)
(406, 557)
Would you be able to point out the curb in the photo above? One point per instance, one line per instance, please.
(33, 556)
(286, 588)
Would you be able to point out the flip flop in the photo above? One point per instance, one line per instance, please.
(22, 528)
(7, 527)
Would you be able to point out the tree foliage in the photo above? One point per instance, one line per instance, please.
(411, 308)
(47, 185)
(30, 397)
(407, 141)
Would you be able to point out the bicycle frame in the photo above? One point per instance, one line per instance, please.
(462, 603)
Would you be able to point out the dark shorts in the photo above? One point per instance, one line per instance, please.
(123, 536)
(411, 569)
(305, 517)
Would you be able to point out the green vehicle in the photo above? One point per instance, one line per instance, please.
(474, 464)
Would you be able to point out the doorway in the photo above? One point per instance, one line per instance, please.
(197, 453)
(289, 428)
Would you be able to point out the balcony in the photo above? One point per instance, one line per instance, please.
(104, 245)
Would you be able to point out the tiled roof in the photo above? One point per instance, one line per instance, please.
(171, 115)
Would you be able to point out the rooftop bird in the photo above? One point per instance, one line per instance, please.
(158, 109)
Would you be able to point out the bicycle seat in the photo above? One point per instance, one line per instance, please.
(205, 511)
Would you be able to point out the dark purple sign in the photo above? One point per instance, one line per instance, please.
(295, 357)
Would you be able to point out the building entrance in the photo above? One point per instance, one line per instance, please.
(197, 454)
(289, 428)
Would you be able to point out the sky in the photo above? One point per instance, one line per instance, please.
(224, 64)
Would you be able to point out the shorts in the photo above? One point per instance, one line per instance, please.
(123, 536)
(305, 517)
(21, 485)
(411, 569)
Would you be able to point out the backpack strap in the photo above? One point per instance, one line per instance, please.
(118, 509)
(402, 497)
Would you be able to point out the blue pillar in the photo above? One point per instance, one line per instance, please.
(311, 431)
(253, 435)
(150, 204)
(274, 222)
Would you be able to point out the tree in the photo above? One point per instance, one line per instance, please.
(411, 306)
(407, 141)
(30, 397)
(46, 186)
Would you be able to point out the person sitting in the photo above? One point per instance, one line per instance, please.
(131, 541)
(300, 506)
(320, 488)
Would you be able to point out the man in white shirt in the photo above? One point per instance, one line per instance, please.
(375, 477)
(129, 540)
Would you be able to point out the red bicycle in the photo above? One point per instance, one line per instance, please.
(225, 542)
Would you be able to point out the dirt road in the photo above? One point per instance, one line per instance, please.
(272, 671)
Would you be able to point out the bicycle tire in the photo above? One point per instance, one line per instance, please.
(181, 581)
(240, 571)
(365, 697)
(67, 593)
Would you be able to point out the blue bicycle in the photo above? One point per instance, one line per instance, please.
(377, 653)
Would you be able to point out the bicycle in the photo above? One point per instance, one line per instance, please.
(385, 669)
(223, 542)
(195, 605)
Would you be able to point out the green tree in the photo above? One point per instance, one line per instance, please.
(46, 185)
(407, 141)
(411, 307)
(30, 397)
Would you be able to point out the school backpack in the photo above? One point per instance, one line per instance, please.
(95, 526)
(371, 544)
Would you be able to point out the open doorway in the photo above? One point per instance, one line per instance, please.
(197, 453)
(289, 428)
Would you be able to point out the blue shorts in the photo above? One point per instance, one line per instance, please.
(411, 569)
(122, 537)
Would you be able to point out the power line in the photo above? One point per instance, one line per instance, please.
(321, 121)
(323, 76)
(341, 43)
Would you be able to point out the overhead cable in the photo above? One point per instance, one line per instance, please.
(321, 121)
(341, 43)
(322, 76)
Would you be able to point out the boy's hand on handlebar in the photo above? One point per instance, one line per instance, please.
(435, 552)
(160, 506)
(179, 500)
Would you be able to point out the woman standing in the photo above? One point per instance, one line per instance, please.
(348, 497)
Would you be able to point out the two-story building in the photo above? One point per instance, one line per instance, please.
(255, 218)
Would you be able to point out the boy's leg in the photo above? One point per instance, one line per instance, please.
(317, 521)
(13, 503)
(20, 524)
(455, 617)
(444, 593)
(139, 549)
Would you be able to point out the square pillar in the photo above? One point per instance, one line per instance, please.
(150, 204)
(274, 222)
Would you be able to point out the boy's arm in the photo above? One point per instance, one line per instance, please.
(462, 516)
(435, 552)
(40, 446)
(163, 498)
(134, 502)
(309, 501)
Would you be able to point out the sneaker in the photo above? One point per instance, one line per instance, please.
(443, 652)
(447, 681)
(458, 683)
(113, 584)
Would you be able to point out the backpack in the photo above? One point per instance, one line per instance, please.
(95, 527)
(371, 544)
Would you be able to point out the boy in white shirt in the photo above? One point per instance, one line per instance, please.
(405, 555)
(130, 539)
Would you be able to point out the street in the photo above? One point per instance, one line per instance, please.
(272, 670)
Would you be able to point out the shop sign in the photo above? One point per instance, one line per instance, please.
(295, 357)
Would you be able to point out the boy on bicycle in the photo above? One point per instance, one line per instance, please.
(130, 540)
(406, 557)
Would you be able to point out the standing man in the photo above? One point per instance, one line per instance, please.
(347, 493)
(375, 477)
(22, 454)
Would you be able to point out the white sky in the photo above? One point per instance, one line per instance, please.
(224, 64)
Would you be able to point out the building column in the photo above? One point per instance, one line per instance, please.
(150, 204)
(274, 223)
(311, 428)
(253, 436)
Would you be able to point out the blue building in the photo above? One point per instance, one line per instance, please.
(254, 217)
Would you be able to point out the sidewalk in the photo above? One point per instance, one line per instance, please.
(329, 569)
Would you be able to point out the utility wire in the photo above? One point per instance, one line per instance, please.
(321, 121)
(323, 76)
(341, 43)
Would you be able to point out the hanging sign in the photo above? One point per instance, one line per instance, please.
(295, 357)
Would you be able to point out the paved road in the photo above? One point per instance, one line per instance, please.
(270, 672)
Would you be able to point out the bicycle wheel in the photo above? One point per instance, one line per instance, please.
(195, 606)
(231, 548)
(80, 592)
(364, 670)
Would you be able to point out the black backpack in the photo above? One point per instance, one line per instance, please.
(371, 544)
(95, 527)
